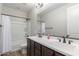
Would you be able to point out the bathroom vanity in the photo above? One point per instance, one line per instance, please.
(37, 49)
(37, 46)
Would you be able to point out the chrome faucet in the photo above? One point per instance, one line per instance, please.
(64, 38)
(59, 39)
(39, 35)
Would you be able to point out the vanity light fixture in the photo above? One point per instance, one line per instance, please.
(38, 5)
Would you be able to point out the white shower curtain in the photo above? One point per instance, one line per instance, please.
(6, 33)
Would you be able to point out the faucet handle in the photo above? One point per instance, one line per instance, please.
(70, 41)
(59, 39)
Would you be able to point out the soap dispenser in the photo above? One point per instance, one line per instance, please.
(48, 36)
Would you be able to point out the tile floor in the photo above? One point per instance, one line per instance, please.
(15, 53)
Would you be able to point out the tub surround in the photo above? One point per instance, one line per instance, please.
(54, 45)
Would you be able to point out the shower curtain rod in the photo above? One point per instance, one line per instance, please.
(13, 16)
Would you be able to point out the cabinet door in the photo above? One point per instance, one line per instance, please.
(58, 54)
(47, 52)
(28, 47)
(37, 46)
(38, 50)
(32, 48)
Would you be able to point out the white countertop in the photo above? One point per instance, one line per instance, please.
(54, 44)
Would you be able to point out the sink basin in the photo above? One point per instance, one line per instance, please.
(52, 39)
(55, 42)
(75, 45)
(64, 46)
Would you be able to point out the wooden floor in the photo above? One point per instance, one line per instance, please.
(15, 53)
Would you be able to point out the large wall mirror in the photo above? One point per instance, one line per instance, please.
(63, 20)
(73, 21)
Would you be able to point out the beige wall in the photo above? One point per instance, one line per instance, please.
(0, 29)
(0, 12)
(33, 20)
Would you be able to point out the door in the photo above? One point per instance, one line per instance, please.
(18, 32)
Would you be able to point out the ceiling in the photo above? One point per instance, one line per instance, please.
(28, 6)
(21, 6)
(49, 7)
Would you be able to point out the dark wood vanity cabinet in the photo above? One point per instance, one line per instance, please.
(28, 47)
(37, 52)
(36, 49)
(58, 54)
(32, 48)
(47, 52)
